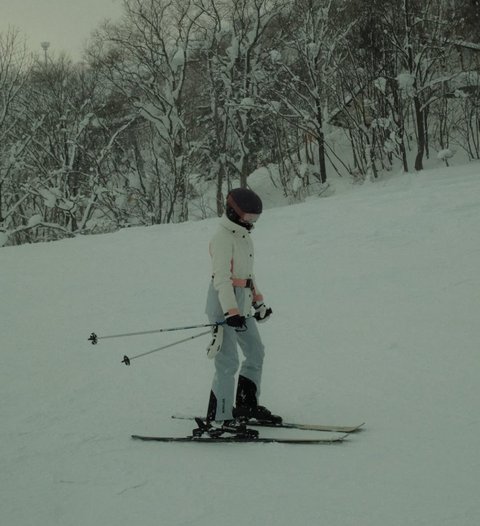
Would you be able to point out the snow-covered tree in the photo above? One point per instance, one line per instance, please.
(63, 146)
(398, 68)
(14, 73)
(312, 51)
(235, 40)
(146, 57)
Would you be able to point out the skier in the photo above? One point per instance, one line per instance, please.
(232, 294)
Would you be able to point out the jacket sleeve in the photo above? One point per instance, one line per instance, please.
(221, 252)
(257, 296)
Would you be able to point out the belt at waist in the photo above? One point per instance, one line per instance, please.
(242, 283)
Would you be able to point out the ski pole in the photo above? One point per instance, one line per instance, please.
(94, 338)
(126, 360)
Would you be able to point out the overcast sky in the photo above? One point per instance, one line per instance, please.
(66, 24)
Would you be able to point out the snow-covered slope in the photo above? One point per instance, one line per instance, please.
(376, 299)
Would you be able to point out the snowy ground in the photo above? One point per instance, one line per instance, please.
(376, 299)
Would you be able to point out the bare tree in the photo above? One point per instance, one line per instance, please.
(15, 62)
(146, 58)
(421, 45)
(313, 49)
(236, 37)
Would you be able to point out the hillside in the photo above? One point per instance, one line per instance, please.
(376, 300)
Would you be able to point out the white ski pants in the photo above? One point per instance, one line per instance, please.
(227, 360)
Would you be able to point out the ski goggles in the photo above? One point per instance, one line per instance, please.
(249, 218)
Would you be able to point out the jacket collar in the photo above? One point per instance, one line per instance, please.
(232, 227)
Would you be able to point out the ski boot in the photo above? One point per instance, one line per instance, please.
(247, 408)
(233, 428)
(237, 429)
(256, 413)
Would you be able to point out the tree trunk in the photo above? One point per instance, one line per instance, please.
(321, 157)
(421, 134)
(219, 199)
(321, 145)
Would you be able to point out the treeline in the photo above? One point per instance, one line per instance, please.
(181, 95)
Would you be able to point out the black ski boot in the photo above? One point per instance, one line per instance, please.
(257, 413)
(247, 407)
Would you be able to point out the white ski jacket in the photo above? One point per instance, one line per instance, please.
(231, 250)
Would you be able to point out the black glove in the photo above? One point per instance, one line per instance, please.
(262, 313)
(237, 322)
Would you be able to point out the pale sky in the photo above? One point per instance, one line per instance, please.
(66, 24)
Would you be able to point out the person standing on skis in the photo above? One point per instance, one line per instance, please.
(232, 293)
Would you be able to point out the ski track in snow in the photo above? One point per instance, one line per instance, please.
(376, 300)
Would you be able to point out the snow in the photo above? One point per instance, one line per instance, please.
(406, 82)
(381, 84)
(50, 196)
(444, 154)
(35, 220)
(375, 292)
(178, 59)
(275, 56)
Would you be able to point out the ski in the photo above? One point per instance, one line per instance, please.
(291, 425)
(308, 427)
(234, 439)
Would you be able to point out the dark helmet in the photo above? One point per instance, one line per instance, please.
(243, 206)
